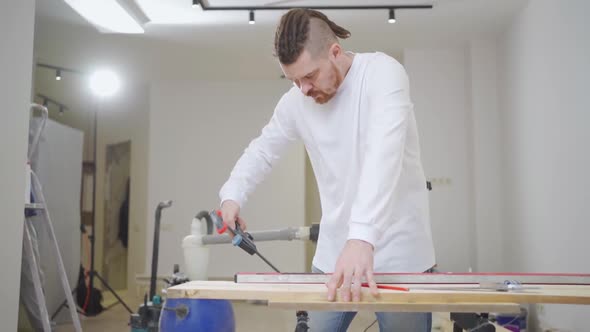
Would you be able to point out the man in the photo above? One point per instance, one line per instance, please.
(354, 115)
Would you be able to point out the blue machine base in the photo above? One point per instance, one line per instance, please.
(203, 315)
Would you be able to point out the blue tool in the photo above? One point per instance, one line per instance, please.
(240, 239)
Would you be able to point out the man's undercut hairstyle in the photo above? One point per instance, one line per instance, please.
(308, 29)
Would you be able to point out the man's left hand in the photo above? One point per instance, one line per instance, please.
(354, 263)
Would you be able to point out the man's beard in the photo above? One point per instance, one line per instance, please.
(322, 97)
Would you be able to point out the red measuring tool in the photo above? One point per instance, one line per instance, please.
(390, 287)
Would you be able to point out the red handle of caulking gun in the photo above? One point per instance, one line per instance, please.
(224, 228)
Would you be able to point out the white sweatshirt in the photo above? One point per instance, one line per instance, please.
(364, 150)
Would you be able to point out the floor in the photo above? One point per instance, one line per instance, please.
(249, 317)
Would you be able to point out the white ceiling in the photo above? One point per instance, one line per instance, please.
(176, 20)
(181, 11)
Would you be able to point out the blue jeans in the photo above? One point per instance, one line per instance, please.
(329, 321)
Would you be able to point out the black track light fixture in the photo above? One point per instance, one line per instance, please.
(252, 20)
(391, 16)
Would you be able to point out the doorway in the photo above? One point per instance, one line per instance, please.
(116, 214)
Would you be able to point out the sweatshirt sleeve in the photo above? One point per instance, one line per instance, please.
(389, 105)
(260, 155)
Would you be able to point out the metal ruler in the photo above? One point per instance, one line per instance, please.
(423, 278)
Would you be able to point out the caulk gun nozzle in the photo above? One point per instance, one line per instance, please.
(165, 204)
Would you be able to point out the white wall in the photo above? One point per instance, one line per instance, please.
(16, 57)
(438, 85)
(544, 62)
(455, 96)
(197, 132)
(486, 147)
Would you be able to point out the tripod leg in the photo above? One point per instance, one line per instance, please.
(113, 291)
(63, 304)
(77, 309)
(109, 307)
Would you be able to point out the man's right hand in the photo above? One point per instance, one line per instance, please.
(230, 212)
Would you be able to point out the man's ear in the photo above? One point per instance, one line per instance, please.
(335, 51)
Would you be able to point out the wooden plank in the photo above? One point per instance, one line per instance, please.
(505, 308)
(309, 293)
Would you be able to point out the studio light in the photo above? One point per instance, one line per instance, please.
(104, 83)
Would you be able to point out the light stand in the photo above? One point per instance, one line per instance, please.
(92, 306)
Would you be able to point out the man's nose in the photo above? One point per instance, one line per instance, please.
(305, 87)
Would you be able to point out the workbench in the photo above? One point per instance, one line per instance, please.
(423, 299)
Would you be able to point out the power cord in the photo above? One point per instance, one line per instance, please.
(368, 327)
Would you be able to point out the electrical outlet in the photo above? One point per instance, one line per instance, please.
(439, 182)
